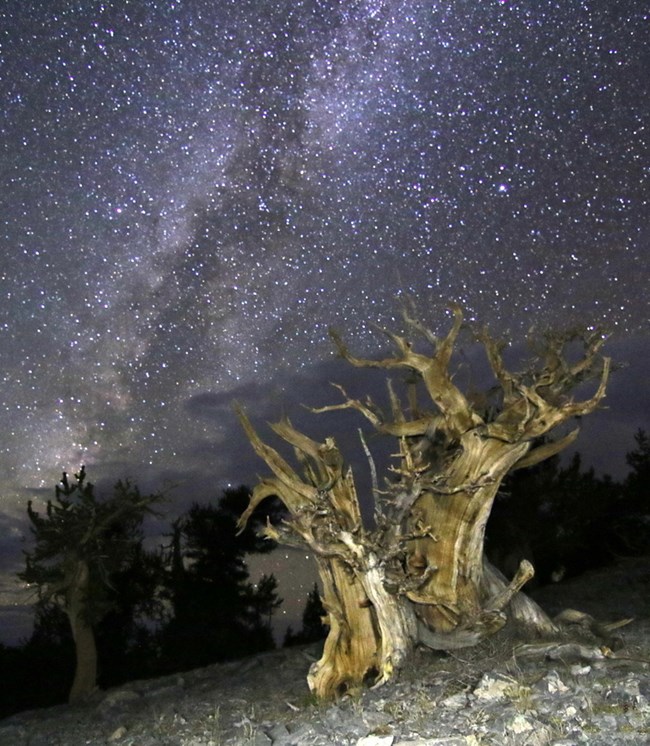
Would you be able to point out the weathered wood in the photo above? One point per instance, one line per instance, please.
(351, 651)
(419, 574)
(522, 609)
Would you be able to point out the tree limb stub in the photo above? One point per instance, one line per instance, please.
(499, 601)
(541, 453)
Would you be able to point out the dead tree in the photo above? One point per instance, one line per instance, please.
(419, 573)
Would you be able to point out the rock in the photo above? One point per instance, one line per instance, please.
(453, 741)
(494, 688)
(376, 741)
(554, 684)
(260, 739)
(456, 701)
(117, 698)
(278, 733)
(117, 734)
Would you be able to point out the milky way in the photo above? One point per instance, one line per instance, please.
(192, 192)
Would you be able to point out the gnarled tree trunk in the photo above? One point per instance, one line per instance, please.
(451, 599)
(419, 573)
(85, 675)
(371, 630)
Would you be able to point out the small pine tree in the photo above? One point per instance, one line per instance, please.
(313, 628)
(637, 483)
(631, 522)
(81, 544)
(263, 601)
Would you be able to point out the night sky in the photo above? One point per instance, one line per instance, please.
(191, 192)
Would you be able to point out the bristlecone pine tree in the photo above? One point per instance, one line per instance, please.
(81, 543)
(419, 574)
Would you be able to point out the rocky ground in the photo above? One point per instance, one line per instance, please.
(499, 693)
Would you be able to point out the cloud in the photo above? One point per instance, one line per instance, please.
(207, 404)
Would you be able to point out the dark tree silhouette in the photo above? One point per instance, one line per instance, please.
(637, 484)
(126, 635)
(41, 669)
(312, 629)
(81, 545)
(562, 519)
(631, 523)
(263, 600)
(215, 612)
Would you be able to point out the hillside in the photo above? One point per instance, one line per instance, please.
(497, 693)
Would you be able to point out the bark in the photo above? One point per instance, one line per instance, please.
(351, 652)
(372, 631)
(451, 598)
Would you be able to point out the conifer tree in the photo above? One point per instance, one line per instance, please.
(81, 543)
(313, 628)
(215, 613)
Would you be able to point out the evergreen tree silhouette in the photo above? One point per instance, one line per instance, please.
(263, 601)
(215, 613)
(81, 546)
(631, 520)
(565, 519)
(637, 484)
(313, 628)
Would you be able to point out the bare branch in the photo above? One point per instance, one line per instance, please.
(371, 464)
(419, 327)
(367, 410)
(326, 549)
(270, 487)
(455, 408)
(370, 412)
(594, 344)
(541, 453)
(506, 380)
(299, 440)
(446, 347)
(325, 465)
(549, 416)
(395, 405)
(277, 464)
